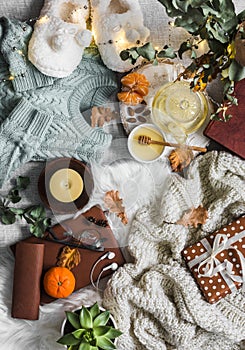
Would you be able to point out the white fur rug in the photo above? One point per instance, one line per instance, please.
(137, 183)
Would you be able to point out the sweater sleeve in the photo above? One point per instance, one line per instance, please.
(20, 137)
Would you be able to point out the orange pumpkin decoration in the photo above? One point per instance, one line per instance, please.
(134, 87)
(59, 282)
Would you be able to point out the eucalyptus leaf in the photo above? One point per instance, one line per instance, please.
(236, 71)
(37, 211)
(17, 211)
(147, 51)
(193, 54)
(13, 196)
(124, 55)
(134, 54)
(232, 99)
(22, 182)
(36, 230)
(171, 10)
(46, 222)
(168, 52)
(182, 5)
(35, 215)
(217, 32)
(130, 54)
(8, 218)
(191, 21)
(227, 6)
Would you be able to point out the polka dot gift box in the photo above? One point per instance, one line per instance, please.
(217, 262)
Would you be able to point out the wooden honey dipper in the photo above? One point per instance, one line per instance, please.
(146, 140)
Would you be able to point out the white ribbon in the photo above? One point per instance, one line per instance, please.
(211, 265)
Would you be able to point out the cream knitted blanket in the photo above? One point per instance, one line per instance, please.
(155, 299)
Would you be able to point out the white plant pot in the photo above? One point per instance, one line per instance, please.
(79, 308)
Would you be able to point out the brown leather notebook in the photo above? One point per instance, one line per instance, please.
(91, 233)
(232, 133)
(27, 277)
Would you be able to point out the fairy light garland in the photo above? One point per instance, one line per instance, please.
(20, 52)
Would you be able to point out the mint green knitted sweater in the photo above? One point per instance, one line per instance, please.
(41, 116)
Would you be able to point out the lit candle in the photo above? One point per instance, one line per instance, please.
(66, 185)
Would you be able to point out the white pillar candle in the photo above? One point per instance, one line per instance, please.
(66, 185)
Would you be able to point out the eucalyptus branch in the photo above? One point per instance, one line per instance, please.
(35, 215)
(215, 22)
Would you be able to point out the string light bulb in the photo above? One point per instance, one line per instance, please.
(20, 52)
(171, 23)
(43, 19)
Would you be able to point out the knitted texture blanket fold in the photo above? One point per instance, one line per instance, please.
(155, 300)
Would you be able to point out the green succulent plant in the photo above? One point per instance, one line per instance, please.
(92, 330)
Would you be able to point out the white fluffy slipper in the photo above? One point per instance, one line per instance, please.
(117, 25)
(59, 37)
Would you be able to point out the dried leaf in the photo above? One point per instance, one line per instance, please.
(100, 115)
(194, 217)
(180, 158)
(114, 203)
(69, 258)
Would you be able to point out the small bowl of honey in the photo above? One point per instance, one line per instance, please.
(143, 143)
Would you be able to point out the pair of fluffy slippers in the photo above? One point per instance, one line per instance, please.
(60, 35)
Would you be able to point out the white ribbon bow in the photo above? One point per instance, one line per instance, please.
(211, 265)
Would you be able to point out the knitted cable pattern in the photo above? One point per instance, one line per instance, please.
(65, 99)
(155, 300)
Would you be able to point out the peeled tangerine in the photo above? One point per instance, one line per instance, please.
(134, 87)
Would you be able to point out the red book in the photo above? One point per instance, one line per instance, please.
(232, 133)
